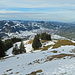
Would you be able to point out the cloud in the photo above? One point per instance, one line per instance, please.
(51, 10)
(35, 3)
(38, 16)
(5, 11)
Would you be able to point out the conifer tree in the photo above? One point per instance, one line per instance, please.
(45, 36)
(36, 43)
(19, 50)
(2, 50)
(15, 50)
(22, 48)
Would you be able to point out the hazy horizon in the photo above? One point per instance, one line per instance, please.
(38, 10)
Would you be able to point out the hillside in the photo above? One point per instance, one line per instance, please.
(44, 61)
(55, 57)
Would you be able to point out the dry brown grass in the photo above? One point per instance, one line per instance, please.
(1, 58)
(38, 49)
(16, 72)
(50, 58)
(29, 42)
(59, 56)
(6, 57)
(63, 43)
(42, 41)
(11, 73)
(54, 51)
(35, 72)
(8, 70)
(73, 51)
(46, 47)
(36, 61)
(31, 51)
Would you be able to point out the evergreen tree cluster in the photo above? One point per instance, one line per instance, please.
(5, 45)
(9, 42)
(36, 42)
(14, 40)
(19, 50)
(45, 36)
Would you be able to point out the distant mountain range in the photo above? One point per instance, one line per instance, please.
(16, 26)
(13, 26)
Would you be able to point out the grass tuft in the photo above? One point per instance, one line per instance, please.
(73, 50)
(54, 51)
(46, 47)
(35, 72)
(42, 41)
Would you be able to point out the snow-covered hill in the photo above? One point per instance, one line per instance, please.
(58, 61)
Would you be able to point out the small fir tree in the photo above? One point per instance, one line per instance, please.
(19, 50)
(15, 50)
(22, 48)
(36, 43)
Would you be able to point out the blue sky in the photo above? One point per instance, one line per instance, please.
(46, 10)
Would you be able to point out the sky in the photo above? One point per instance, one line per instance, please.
(38, 10)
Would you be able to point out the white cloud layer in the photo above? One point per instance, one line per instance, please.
(38, 16)
(5, 11)
(66, 13)
(36, 3)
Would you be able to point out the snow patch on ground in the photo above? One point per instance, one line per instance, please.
(26, 63)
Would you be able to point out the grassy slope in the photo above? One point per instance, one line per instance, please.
(57, 44)
(60, 43)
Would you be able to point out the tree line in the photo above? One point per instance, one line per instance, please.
(5, 45)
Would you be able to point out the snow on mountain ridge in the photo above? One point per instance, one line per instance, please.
(16, 26)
